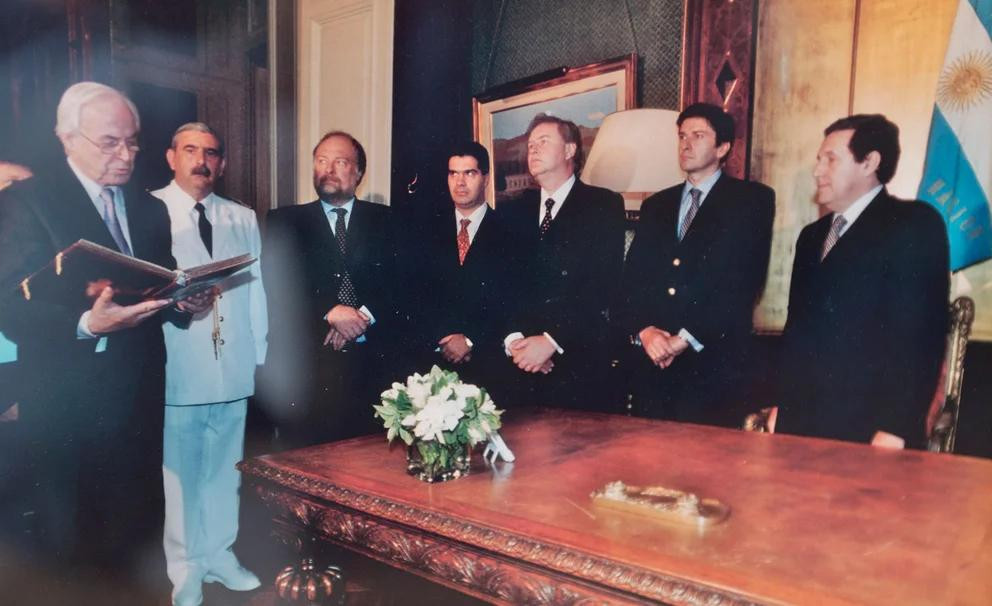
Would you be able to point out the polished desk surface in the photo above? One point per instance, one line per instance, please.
(812, 521)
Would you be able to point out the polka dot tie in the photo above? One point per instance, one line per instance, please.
(346, 292)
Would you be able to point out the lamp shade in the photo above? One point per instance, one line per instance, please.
(635, 152)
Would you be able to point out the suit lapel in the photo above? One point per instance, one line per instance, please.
(481, 240)
(669, 217)
(571, 209)
(356, 238)
(322, 239)
(78, 213)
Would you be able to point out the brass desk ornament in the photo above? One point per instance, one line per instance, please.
(662, 503)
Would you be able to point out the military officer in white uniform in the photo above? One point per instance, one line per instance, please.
(209, 374)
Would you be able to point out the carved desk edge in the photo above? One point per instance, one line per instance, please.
(356, 523)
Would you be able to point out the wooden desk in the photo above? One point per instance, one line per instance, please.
(812, 521)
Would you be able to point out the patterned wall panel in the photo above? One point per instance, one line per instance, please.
(513, 39)
(720, 47)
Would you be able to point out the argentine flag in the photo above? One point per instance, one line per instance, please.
(957, 176)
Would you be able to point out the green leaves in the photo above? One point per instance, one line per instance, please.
(472, 418)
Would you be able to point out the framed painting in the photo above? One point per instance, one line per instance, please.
(585, 95)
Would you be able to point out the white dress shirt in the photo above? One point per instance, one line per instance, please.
(475, 217)
(332, 217)
(705, 186)
(856, 208)
(93, 190)
(558, 196)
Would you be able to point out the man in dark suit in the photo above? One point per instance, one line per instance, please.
(570, 237)
(93, 370)
(694, 272)
(462, 281)
(329, 273)
(867, 322)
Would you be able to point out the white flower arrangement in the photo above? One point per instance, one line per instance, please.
(439, 414)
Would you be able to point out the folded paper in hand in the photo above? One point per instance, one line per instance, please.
(84, 268)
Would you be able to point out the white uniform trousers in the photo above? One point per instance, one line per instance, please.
(201, 446)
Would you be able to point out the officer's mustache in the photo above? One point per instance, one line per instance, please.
(201, 170)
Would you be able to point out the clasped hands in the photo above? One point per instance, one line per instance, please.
(106, 316)
(533, 354)
(661, 346)
(455, 348)
(346, 324)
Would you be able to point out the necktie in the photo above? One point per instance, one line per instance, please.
(833, 235)
(546, 221)
(110, 219)
(206, 230)
(690, 214)
(346, 292)
(463, 241)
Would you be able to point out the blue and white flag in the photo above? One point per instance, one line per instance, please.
(957, 176)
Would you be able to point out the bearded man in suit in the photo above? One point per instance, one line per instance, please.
(329, 275)
(868, 302)
(695, 270)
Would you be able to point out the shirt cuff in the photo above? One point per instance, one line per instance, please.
(368, 314)
(510, 338)
(555, 343)
(82, 327)
(468, 342)
(693, 343)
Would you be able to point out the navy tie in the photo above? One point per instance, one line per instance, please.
(346, 292)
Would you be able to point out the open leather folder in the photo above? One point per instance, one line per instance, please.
(83, 269)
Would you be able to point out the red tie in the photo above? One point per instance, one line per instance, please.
(463, 241)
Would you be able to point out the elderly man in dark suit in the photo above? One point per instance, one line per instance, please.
(329, 271)
(867, 322)
(694, 273)
(570, 238)
(462, 281)
(93, 370)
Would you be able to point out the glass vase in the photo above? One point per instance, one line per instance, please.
(436, 462)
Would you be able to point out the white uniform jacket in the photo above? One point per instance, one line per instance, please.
(193, 374)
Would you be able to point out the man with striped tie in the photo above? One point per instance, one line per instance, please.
(694, 273)
(93, 371)
(868, 310)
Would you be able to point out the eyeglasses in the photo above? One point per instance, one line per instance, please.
(112, 145)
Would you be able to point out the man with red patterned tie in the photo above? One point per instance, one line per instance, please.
(468, 269)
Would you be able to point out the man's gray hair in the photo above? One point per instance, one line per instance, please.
(77, 96)
(199, 127)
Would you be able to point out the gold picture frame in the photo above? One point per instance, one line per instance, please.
(583, 94)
